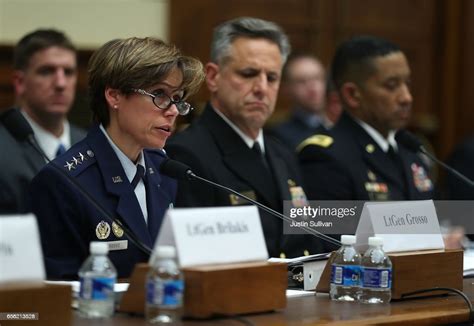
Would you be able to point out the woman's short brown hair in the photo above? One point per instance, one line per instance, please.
(125, 64)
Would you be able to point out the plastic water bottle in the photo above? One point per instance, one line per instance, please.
(345, 271)
(376, 274)
(164, 288)
(97, 277)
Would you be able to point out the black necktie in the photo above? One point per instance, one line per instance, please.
(138, 176)
(393, 154)
(258, 150)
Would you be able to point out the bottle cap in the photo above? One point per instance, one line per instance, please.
(348, 239)
(375, 241)
(99, 248)
(165, 252)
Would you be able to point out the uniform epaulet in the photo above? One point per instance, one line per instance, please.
(159, 151)
(318, 140)
(78, 162)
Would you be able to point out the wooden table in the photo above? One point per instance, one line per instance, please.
(319, 310)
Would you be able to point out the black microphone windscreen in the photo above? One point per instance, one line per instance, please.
(175, 169)
(408, 140)
(17, 125)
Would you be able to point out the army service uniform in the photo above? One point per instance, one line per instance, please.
(68, 222)
(349, 165)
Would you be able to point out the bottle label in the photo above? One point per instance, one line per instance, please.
(377, 278)
(345, 275)
(165, 294)
(96, 288)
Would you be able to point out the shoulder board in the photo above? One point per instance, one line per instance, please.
(318, 140)
(78, 162)
(159, 152)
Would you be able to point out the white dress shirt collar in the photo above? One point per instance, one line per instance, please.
(48, 142)
(383, 142)
(247, 140)
(130, 169)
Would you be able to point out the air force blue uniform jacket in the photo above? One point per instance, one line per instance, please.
(68, 222)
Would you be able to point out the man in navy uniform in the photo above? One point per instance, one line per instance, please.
(137, 88)
(227, 144)
(361, 160)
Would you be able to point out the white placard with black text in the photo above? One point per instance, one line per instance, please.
(403, 225)
(21, 258)
(214, 235)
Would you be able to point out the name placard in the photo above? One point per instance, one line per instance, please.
(214, 235)
(404, 225)
(21, 258)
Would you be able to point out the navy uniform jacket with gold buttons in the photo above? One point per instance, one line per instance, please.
(348, 165)
(215, 151)
(68, 222)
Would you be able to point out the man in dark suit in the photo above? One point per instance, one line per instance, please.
(360, 159)
(44, 80)
(227, 144)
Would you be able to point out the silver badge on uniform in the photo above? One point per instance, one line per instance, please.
(102, 230)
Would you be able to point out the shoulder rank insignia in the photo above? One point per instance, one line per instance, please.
(318, 140)
(75, 161)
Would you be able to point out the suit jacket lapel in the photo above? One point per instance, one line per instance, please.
(157, 199)
(280, 171)
(117, 184)
(377, 159)
(407, 170)
(33, 158)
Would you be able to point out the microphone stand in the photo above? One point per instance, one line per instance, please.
(320, 235)
(447, 167)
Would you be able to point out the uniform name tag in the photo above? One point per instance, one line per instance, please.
(118, 245)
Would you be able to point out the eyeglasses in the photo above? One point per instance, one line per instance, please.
(164, 102)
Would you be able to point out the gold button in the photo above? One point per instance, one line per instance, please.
(370, 148)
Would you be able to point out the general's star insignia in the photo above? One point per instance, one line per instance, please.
(69, 166)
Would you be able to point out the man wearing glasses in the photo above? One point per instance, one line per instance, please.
(227, 144)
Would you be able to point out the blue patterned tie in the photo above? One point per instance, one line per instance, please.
(61, 150)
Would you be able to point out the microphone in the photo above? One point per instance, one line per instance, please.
(181, 171)
(21, 130)
(412, 143)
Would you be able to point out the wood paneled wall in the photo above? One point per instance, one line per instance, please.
(436, 35)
